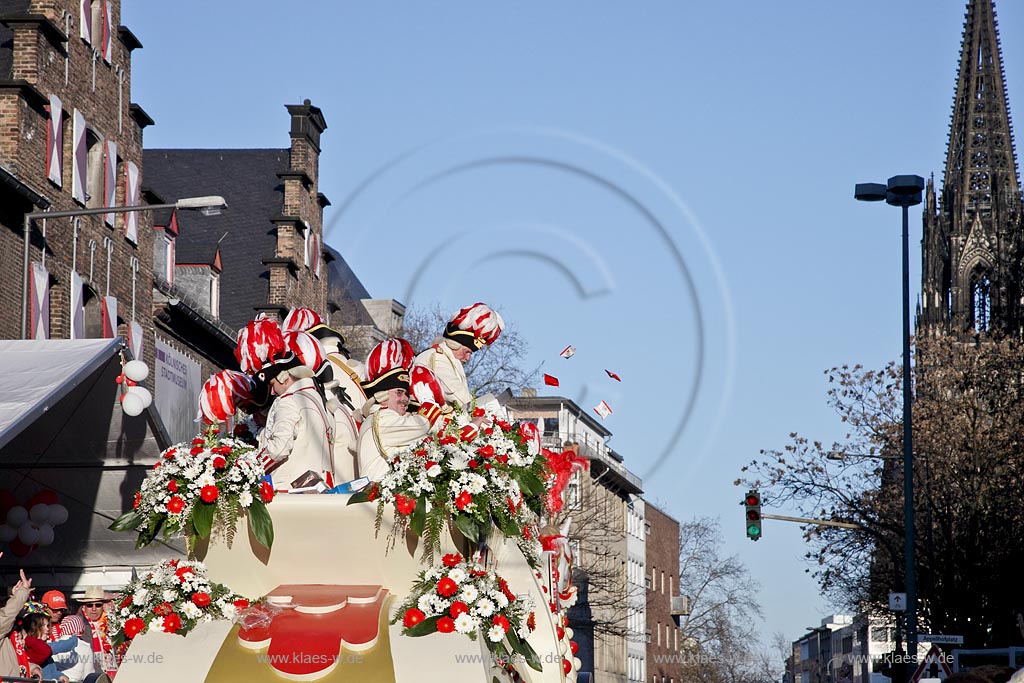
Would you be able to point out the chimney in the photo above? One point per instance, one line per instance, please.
(528, 392)
(307, 125)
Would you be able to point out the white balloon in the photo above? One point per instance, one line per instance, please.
(7, 533)
(143, 393)
(568, 632)
(132, 405)
(576, 663)
(17, 516)
(136, 370)
(45, 534)
(29, 533)
(58, 514)
(39, 513)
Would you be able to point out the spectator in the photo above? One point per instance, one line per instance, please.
(92, 611)
(34, 626)
(78, 663)
(13, 658)
(56, 607)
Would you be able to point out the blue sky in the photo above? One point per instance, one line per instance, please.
(666, 185)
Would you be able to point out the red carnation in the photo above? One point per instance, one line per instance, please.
(171, 452)
(219, 462)
(464, 500)
(373, 493)
(487, 465)
(196, 450)
(503, 459)
(200, 599)
(445, 625)
(451, 560)
(473, 464)
(412, 617)
(458, 607)
(241, 603)
(172, 486)
(404, 504)
(172, 622)
(486, 451)
(175, 505)
(183, 572)
(447, 440)
(504, 425)
(133, 627)
(163, 609)
(422, 452)
(446, 587)
(429, 464)
(197, 441)
(127, 601)
(137, 501)
(478, 412)
(502, 621)
(266, 491)
(209, 493)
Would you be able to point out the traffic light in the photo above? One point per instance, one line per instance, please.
(752, 502)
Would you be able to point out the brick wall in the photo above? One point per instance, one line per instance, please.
(663, 574)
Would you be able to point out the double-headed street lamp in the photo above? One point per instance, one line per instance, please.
(903, 191)
(209, 206)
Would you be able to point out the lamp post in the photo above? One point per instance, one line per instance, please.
(903, 191)
(209, 206)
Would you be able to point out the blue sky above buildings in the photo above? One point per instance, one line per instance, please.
(668, 186)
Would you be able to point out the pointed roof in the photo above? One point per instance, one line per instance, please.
(981, 150)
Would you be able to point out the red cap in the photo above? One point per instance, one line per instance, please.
(55, 600)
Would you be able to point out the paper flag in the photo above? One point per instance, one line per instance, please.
(613, 376)
(550, 381)
(603, 409)
(568, 352)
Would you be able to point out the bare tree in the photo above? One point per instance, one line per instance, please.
(493, 368)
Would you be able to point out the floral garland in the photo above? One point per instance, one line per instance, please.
(173, 597)
(198, 487)
(458, 596)
(473, 479)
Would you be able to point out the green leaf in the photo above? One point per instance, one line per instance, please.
(468, 527)
(261, 524)
(523, 648)
(127, 521)
(202, 518)
(152, 528)
(361, 496)
(507, 526)
(424, 628)
(529, 482)
(419, 516)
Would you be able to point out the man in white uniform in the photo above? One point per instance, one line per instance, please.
(345, 400)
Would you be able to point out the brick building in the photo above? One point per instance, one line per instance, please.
(664, 607)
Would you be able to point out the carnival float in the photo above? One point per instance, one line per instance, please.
(436, 561)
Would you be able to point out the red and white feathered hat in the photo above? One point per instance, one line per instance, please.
(301, 319)
(223, 393)
(307, 347)
(424, 387)
(475, 326)
(387, 366)
(259, 343)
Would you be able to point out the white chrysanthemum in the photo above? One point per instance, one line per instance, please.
(228, 610)
(465, 623)
(484, 607)
(500, 598)
(458, 575)
(434, 470)
(469, 593)
(425, 603)
(245, 499)
(495, 634)
(191, 611)
(140, 595)
(156, 625)
(169, 595)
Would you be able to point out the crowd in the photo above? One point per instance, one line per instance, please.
(47, 639)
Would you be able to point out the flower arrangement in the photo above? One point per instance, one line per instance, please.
(473, 479)
(173, 597)
(460, 596)
(199, 487)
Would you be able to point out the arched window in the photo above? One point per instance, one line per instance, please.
(981, 302)
(93, 314)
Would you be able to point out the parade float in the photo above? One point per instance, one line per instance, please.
(445, 569)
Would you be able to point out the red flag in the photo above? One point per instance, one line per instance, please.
(613, 376)
(550, 381)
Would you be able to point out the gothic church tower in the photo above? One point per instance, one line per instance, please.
(973, 242)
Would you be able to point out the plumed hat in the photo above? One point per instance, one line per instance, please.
(307, 347)
(424, 387)
(475, 326)
(325, 333)
(223, 393)
(387, 366)
(301, 319)
(259, 343)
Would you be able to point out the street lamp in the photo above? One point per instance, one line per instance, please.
(209, 206)
(903, 191)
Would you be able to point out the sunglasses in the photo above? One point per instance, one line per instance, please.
(92, 604)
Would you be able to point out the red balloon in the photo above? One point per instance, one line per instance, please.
(7, 501)
(20, 549)
(46, 496)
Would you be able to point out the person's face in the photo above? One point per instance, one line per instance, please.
(462, 354)
(398, 401)
(92, 610)
(55, 614)
(278, 387)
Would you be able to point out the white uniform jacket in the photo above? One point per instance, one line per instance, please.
(383, 433)
(449, 372)
(300, 432)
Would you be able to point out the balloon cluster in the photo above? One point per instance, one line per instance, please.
(134, 399)
(25, 527)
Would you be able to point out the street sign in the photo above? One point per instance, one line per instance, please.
(932, 666)
(898, 602)
(940, 639)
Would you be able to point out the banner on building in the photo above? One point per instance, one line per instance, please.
(39, 315)
(131, 198)
(109, 179)
(77, 307)
(135, 339)
(177, 385)
(55, 142)
(109, 317)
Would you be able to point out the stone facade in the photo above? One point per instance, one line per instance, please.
(662, 584)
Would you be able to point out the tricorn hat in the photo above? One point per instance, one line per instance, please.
(475, 326)
(387, 366)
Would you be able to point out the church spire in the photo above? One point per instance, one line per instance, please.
(973, 242)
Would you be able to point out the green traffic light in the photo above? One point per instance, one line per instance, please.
(754, 531)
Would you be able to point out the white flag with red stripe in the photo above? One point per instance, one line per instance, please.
(135, 336)
(131, 198)
(109, 317)
(40, 303)
(55, 141)
(317, 255)
(77, 307)
(603, 409)
(79, 157)
(109, 179)
(108, 33)
(85, 21)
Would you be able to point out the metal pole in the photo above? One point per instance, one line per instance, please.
(908, 460)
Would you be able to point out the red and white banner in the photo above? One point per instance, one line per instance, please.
(108, 34)
(135, 339)
(603, 409)
(131, 198)
(109, 317)
(55, 141)
(39, 301)
(85, 20)
(79, 157)
(77, 307)
(109, 179)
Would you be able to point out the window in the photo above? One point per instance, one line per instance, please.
(93, 170)
(572, 492)
(215, 294)
(981, 290)
(163, 255)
